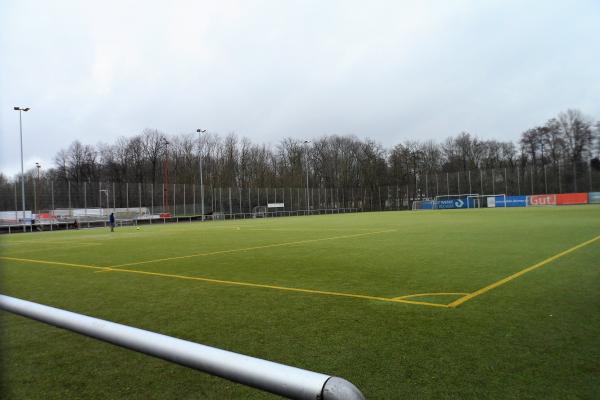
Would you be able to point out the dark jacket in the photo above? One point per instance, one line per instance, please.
(112, 218)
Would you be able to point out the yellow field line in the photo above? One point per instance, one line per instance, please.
(250, 248)
(427, 295)
(235, 283)
(49, 262)
(520, 273)
(283, 288)
(44, 242)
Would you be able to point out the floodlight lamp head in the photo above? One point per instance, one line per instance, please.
(201, 130)
(26, 109)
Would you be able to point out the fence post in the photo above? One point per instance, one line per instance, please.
(574, 177)
(194, 198)
(590, 175)
(545, 180)
(69, 189)
(230, 205)
(531, 178)
(85, 198)
(559, 180)
(447, 184)
(140, 198)
(249, 199)
(481, 181)
(493, 181)
(518, 180)
(114, 197)
(470, 188)
(174, 201)
(16, 204)
(458, 181)
(151, 198)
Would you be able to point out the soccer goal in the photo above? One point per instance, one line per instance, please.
(452, 201)
(423, 205)
(487, 200)
(259, 212)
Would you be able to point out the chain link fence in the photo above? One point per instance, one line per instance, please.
(187, 200)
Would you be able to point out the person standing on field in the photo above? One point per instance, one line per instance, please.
(111, 220)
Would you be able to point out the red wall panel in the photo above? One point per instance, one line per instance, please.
(572, 198)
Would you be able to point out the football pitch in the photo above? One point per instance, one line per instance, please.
(492, 303)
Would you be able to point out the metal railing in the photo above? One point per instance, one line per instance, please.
(67, 223)
(284, 380)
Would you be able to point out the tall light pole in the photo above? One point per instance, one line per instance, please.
(35, 184)
(20, 110)
(306, 142)
(200, 132)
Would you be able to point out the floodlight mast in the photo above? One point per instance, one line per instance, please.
(21, 110)
(200, 132)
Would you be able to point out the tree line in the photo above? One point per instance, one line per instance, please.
(332, 161)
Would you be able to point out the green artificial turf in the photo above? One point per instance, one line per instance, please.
(536, 336)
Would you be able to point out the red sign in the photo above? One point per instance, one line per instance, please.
(572, 198)
(542, 200)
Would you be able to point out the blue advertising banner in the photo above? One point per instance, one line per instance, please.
(452, 203)
(594, 198)
(427, 205)
(512, 201)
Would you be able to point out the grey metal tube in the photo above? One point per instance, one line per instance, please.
(291, 382)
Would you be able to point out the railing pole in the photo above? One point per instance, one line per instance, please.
(291, 382)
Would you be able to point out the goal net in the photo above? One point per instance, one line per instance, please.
(487, 200)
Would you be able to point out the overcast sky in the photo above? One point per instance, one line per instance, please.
(389, 70)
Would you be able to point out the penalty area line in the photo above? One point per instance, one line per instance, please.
(275, 287)
(230, 283)
(516, 275)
